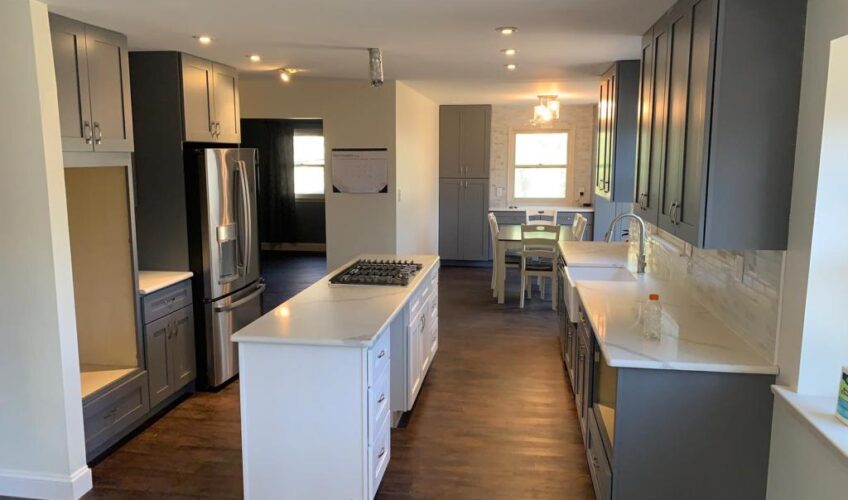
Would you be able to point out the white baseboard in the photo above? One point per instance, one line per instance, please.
(48, 486)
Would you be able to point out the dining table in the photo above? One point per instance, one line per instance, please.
(509, 238)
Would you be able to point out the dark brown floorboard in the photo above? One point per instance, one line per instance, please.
(494, 419)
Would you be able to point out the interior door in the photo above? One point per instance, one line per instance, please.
(69, 60)
(474, 226)
(226, 104)
(474, 133)
(197, 99)
(645, 127)
(450, 202)
(449, 117)
(109, 81)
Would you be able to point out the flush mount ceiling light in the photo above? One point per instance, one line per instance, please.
(254, 58)
(506, 30)
(547, 109)
(203, 39)
(510, 66)
(508, 52)
(286, 74)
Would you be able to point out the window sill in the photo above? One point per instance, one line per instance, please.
(309, 197)
(819, 414)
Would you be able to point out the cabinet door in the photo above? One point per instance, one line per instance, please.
(474, 227)
(181, 347)
(226, 104)
(600, 171)
(659, 117)
(450, 202)
(690, 212)
(415, 375)
(109, 85)
(680, 40)
(609, 155)
(449, 117)
(156, 349)
(197, 99)
(474, 136)
(643, 145)
(68, 39)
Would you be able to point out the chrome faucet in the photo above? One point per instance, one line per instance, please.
(643, 234)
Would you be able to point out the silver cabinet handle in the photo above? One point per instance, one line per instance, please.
(86, 131)
(259, 289)
(382, 452)
(382, 354)
(382, 398)
(98, 134)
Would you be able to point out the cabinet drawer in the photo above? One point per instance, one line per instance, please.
(378, 406)
(598, 464)
(510, 218)
(379, 355)
(115, 410)
(379, 455)
(166, 301)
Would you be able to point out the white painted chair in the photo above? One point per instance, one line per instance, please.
(512, 259)
(578, 228)
(539, 254)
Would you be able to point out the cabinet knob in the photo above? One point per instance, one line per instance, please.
(382, 354)
(382, 398)
(382, 452)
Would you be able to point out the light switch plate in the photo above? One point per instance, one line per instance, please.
(499, 191)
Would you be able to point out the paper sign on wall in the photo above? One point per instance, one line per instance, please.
(360, 170)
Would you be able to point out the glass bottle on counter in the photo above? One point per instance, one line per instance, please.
(652, 318)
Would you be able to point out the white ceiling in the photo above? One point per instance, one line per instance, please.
(447, 48)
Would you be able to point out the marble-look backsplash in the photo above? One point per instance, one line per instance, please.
(579, 119)
(748, 306)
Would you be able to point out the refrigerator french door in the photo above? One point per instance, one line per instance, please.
(224, 250)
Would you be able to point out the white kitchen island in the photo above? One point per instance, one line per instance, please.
(323, 377)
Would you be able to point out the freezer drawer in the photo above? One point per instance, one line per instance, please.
(224, 318)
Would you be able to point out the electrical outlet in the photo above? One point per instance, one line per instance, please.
(687, 249)
(739, 268)
(499, 191)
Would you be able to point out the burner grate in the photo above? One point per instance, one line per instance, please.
(377, 272)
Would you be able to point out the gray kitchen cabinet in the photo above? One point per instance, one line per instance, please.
(721, 152)
(111, 414)
(93, 85)
(617, 123)
(210, 101)
(463, 227)
(464, 137)
(169, 346)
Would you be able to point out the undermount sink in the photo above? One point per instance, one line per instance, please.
(575, 274)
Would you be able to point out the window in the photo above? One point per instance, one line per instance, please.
(540, 165)
(308, 164)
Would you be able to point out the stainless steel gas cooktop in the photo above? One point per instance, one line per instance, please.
(377, 272)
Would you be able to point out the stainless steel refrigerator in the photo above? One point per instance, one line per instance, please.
(223, 254)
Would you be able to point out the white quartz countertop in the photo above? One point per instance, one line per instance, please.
(152, 281)
(818, 412)
(574, 208)
(347, 315)
(692, 337)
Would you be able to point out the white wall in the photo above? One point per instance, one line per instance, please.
(417, 133)
(42, 448)
(812, 341)
(355, 116)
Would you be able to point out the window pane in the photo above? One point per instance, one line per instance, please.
(308, 180)
(549, 148)
(540, 183)
(308, 149)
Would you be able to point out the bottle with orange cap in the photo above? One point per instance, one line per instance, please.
(652, 318)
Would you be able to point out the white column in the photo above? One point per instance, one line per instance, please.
(42, 445)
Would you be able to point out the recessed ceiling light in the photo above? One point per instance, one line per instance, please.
(203, 39)
(254, 58)
(506, 30)
(510, 67)
(286, 74)
(509, 52)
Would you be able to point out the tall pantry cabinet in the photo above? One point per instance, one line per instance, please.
(719, 89)
(464, 138)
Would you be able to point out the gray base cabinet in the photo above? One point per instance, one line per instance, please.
(463, 228)
(111, 415)
(169, 343)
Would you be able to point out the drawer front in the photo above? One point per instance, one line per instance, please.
(567, 218)
(598, 464)
(379, 455)
(510, 218)
(379, 355)
(115, 410)
(378, 406)
(433, 320)
(166, 301)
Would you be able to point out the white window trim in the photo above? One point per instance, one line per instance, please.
(313, 196)
(569, 171)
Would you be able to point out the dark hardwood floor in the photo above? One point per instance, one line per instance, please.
(494, 419)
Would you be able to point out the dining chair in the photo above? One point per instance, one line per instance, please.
(541, 217)
(578, 228)
(539, 253)
(513, 259)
